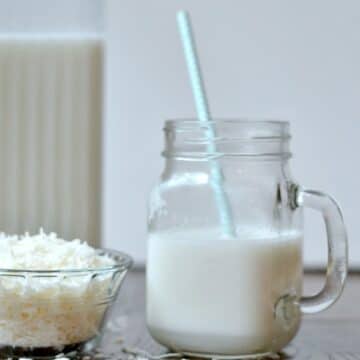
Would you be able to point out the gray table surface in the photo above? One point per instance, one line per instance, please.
(333, 334)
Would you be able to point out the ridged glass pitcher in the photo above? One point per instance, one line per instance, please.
(51, 96)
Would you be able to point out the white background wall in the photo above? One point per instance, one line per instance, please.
(294, 60)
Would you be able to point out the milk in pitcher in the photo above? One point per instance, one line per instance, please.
(51, 116)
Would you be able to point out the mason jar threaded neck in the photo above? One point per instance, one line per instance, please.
(191, 139)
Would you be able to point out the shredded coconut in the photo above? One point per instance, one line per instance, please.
(48, 252)
(57, 310)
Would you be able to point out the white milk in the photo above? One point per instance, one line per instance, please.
(50, 121)
(209, 295)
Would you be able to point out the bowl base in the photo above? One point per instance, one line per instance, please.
(51, 352)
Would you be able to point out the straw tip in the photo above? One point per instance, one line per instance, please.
(182, 14)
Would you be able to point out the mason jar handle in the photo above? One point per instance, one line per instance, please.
(337, 248)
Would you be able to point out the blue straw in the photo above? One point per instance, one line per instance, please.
(203, 112)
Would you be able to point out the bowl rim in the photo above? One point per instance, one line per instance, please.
(123, 262)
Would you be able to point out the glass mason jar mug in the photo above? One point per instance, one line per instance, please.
(210, 293)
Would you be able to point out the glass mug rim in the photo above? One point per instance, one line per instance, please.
(189, 138)
(230, 120)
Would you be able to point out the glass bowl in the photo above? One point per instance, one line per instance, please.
(49, 313)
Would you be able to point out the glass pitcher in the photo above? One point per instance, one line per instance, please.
(211, 294)
(51, 96)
